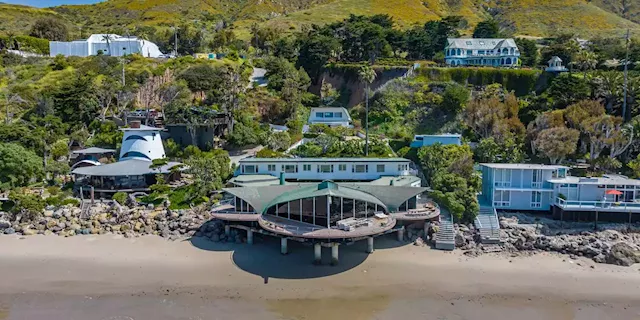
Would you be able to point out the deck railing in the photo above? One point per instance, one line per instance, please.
(602, 205)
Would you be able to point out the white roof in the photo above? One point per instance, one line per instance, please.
(555, 58)
(330, 109)
(455, 135)
(94, 150)
(522, 166)
(605, 180)
(131, 167)
(481, 44)
(142, 128)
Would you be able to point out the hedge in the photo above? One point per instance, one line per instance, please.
(521, 81)
(27, 43)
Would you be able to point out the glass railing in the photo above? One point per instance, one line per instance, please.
(606, 205)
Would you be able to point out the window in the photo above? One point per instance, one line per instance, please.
(319, 115)
(503, 178)
(328, 114)
(502, 198)
(290, 168)
(325, 168)
(480, 51)
(271, 167)
(135, 137)
(338, 114)
(403, 167)
(469, 52)
(360, 168)
(135, 154)
(248, 169)
(536, 199)
(380, 168)
(468, 43)
(536, 179)
(306, 167)
(342, 167)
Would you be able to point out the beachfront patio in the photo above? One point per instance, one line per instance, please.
(286, 227)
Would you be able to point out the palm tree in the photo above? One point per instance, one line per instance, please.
(366, 75)
(108, 40)
(585, 60)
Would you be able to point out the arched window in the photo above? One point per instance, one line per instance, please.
(135, 137)
(505, 51)
(502, 61)
(508, 61)
(135, 154)
(512, 51)
(459, 52)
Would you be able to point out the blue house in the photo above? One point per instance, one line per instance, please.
(423, 140)
(481, 52)
(516, 186)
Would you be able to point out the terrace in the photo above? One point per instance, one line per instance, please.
(361, 227)
(602, 206)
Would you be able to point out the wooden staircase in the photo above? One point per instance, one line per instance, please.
(445, 238)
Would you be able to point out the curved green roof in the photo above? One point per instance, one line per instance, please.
(261, 198)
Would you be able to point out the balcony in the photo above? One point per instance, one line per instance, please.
(601, 206)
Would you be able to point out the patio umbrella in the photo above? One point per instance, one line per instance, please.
(614, 192)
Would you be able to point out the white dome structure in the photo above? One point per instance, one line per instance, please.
(141, 142)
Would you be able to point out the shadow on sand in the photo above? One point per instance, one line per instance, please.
(263, 258)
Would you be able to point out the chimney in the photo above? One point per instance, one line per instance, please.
(282, 178)
(135, 124)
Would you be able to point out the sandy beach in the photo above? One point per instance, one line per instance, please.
(110, 277)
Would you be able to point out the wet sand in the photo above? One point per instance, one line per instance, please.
(108, 277)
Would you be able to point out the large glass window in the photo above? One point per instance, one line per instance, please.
(536, 199)
(361, 209)
(347, 208)
(342, 167)
(271, 167)
(325, 168)
(290, 168)
(248, 169)
(328, 114)
(334, 210)
(502, 198)
(306, 167)
(319, 115)
(321, 211)
(338, 114)
(503, 178)
(360, 168)
(380, 168)
(307, 210)
(294, 209)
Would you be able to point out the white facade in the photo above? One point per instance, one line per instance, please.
(481, 52)
(142, 143)
(319, 169)
(555, 65)
(330, 116)
(115, 46)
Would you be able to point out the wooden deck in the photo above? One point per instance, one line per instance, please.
(427, 211)
(299, 229)
(228, 212)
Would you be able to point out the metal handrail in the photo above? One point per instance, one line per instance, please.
(597, 204)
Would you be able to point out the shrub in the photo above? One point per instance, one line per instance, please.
(120, 197)
(522, 82)
(71, 201)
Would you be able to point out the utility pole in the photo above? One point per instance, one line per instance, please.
(123, 79)
(175, 50)
(626, 71)
(366, 121)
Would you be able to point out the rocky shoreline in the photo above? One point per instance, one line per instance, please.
(523, 234)
(112, 218)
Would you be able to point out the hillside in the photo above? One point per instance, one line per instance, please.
(527, 17)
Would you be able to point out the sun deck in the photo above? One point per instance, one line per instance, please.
(427, 211)
(601, 206)
(299, 229)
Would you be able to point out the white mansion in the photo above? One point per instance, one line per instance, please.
(481, 52)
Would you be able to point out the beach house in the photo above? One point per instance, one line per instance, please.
(330, 116)
(133, 172)
(550, 188)
(481, 52)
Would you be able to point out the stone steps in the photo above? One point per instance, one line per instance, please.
(445, 238)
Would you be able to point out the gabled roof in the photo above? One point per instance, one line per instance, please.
(480, 44)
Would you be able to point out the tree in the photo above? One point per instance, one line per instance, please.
(315, 51)
(487, 29)
(492, 117)
(201, 77)
(608, 85)
(489, 151)
(75, 100)
(585, 60)
(26, 205)
(528, 52)
(455, 98)
(279, 141)
(567, 89)
(49, 28)
(366, 75)
(557, 143)
(18, 166)
(210, 170)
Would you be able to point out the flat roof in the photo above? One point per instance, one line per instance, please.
(94, 150)
(143, 128)
(606, 180)
(452, 135)
(258, 180)
(130, 167)
(262, 160)
(522, 166)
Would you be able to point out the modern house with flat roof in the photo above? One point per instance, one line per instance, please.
(133, 172)
(319, 169)
(481, 52)
(107, 44)
(423, 140)
(331, 116)
(550, 188)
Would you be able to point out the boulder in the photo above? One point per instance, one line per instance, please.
(48, 213)
(623, 254)
(28, 232)
(9, 230)
(4, 224)
(418, 242)
(460, 240)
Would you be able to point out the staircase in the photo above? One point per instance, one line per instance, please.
(85, 208)
(445, 238)
(488, 225)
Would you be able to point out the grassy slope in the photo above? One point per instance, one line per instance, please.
(532, 17)
(16, 19)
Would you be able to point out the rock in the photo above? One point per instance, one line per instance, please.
(137, 226)
(623, 254)
(418, 242)
(48, 213)
(4, 224)
(28, 232)
(150, 206)
(460, 240)
(75, 227)
(86, 231)
(9, 230)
